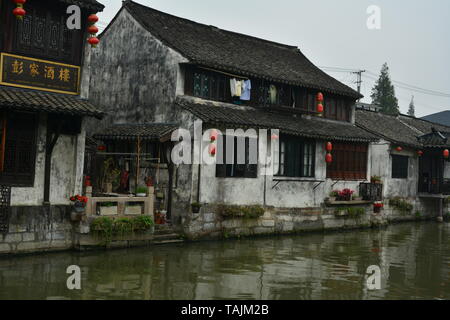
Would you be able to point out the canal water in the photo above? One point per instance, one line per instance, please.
(414, 260)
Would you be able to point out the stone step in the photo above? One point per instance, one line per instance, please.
(167, 236)
(167, 242)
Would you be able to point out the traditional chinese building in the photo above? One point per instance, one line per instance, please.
(43, 107)
(158, 70)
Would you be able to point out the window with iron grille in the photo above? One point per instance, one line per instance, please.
(235, 164)
(208, 85)
(18, 149)
(349, 162)
(400, 167)
(297, 158)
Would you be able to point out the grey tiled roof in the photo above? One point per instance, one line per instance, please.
(401, 129)
(33, 100)
(93, 5)
(234, 52)
(217, 113)
(150, 131)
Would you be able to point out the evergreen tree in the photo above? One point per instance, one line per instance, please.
(383, 93)
(412, 108)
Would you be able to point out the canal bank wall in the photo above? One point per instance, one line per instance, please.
(211, 223)
(45, 229)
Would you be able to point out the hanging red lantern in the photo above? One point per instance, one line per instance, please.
(92, 29)
(19, 12)
(329, 147)
(93, 18)
(212, 150)
(320, 97)
(329, 158)
(446, 153)
(275, 137)
(399, 149)
(93, 41)
(213, 135)
(320, 108)
(101, 148)
(420, 153)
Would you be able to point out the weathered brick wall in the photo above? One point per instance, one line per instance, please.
(37, 229)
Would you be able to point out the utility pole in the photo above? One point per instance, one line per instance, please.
(359, 79)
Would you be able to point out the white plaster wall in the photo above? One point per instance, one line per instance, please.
(381, 163)
(66, 171)
(280, 192)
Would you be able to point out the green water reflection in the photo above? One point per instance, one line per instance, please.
(414, 259)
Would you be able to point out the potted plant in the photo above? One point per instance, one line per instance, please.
(333, 195)
(377, 206)
(195, 206)
(346, 195)
(79, 207)
(141, 191)
(375, 179)
(107, 209)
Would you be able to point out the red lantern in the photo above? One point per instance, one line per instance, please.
(329, 147)
(329, 158)
(399, 149)
(274, 137)
(93, 41)
(420, 153)
(93, 18)
(92, 29)
(20, 2)
(320, 97)
(19, 12)
(101, 148)
(213, 135)
(320, 108)
(446, 153)
(212, 150)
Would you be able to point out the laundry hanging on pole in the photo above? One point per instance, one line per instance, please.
(246, 90)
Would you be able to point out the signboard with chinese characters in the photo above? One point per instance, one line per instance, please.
(39, 74)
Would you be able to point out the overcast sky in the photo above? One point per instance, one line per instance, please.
(414, 38)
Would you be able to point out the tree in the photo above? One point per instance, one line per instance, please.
(412, 108)
(383, 93)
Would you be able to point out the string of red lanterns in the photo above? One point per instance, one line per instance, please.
(329, 156)
(19, 11)
(319, 99)
(92, 30)
(213, 135)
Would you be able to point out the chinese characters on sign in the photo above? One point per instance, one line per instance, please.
(32, 73)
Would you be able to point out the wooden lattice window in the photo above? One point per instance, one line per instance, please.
(349, 162)
(18, 149)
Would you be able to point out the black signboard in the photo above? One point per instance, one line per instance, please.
(39, 74)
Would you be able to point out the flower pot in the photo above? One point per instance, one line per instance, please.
(76, 216)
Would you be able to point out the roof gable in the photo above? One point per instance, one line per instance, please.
(225, 50)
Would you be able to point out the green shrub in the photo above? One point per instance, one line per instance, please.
(122, 226)
(248, 212)
(400, 204)
(142, 223)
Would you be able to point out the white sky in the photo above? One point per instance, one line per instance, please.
(414, 38)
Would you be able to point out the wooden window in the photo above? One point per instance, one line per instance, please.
(400, 167)
(349, 162)
(208, 85)
(235, 164)
(19, 149)
(43, 33)
(297, 158)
